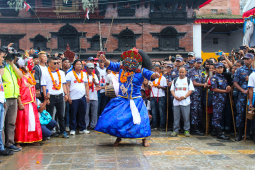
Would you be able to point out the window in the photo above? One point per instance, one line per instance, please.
(47, 3)
(214, 11)
(67, 4)
(215, 40)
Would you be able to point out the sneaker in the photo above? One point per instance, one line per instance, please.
(14, 148)
(67, 129)
(6, 152)
(84, 131)
(174, 134)
(63, 135)
(55, 134)
(72, 132)
(186, 133)
(153, 128)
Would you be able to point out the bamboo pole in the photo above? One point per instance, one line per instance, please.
(167, 108)
(231, 104)
(246, 119)
(206, 111)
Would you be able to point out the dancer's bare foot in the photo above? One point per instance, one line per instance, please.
(145, 143)
(36, 144)
(116, 143)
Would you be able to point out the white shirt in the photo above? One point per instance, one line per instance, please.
(77, 90)
(102, 77)
(93, 95)
(47, 81)
(44, 70)
(158, 92)
(181, 89)
(2, 97)
(109, 78)
(251, 82)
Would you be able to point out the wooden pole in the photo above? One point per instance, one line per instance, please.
(246, 119)
(167, 108)
(231, 104)
(101, 46)
(206, 111)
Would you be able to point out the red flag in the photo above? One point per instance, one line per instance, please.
(27, 6)
(87, 13)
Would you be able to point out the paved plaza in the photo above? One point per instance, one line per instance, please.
(95, 151)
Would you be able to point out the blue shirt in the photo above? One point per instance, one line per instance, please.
(240, 75)
(218, 81)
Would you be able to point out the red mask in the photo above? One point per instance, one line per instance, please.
(30, 64)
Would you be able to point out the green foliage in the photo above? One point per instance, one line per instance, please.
(86, 4)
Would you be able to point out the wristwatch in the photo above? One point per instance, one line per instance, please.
(185, 97)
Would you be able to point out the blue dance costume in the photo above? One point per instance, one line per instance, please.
(116, 119)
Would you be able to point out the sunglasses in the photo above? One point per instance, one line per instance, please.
(55, 63)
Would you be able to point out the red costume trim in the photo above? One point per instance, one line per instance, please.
(219, 21)
(249, 13)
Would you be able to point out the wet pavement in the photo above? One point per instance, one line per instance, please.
(95, 151)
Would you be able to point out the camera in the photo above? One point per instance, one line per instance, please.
(10, 53)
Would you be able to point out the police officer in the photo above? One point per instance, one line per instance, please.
(191, 65)
(241, 77)
(191, 56)
(169, 68)
(220, 87)
(198, 79)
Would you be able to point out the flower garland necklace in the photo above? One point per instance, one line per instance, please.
(53, 81)
(158, 83)
(123, 77)
(30, 81)
(75, 75)
(91, 85)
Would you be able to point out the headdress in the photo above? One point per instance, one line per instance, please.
(131, 60)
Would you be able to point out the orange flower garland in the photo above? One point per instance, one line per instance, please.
(123, 78)
(91, 84)
(79, 80)
(30, 81)
(53, 81)
(156, 85)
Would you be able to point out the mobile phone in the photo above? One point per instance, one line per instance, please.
(47, 91)
(101, 52)
(242, 47)
(218, 53)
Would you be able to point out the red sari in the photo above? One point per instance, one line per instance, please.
(28, 127)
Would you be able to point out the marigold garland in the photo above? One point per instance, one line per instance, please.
(53, 81)
(79, 80)
(30, 81)
(158, 83)
(91, 85)
(123, 78)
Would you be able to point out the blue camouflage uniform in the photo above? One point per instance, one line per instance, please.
(239, 77)
(196, 96)
(187, 66)
(218, 81)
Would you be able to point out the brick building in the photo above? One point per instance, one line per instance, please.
(159, 27)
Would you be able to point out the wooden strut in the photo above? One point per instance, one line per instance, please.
(206, 112)
(48, 41)
(167, 109)
(246, 119)
(231, 104)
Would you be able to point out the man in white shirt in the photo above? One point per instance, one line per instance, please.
(39, 70)
(102, 99)
(93, 103)
(158, 88)
(251, 85)
(181, 89)
(53, 80)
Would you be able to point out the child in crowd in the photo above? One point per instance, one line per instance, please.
(147, 103)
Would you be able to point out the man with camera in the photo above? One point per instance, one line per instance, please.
(11, 91)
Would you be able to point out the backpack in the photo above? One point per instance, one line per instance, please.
(175, 80)
(45, 118)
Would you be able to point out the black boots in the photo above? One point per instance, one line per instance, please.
(221, 135)
(195, 131)
(239, 134)
(214, 133)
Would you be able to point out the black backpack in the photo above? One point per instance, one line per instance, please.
(175, 80)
